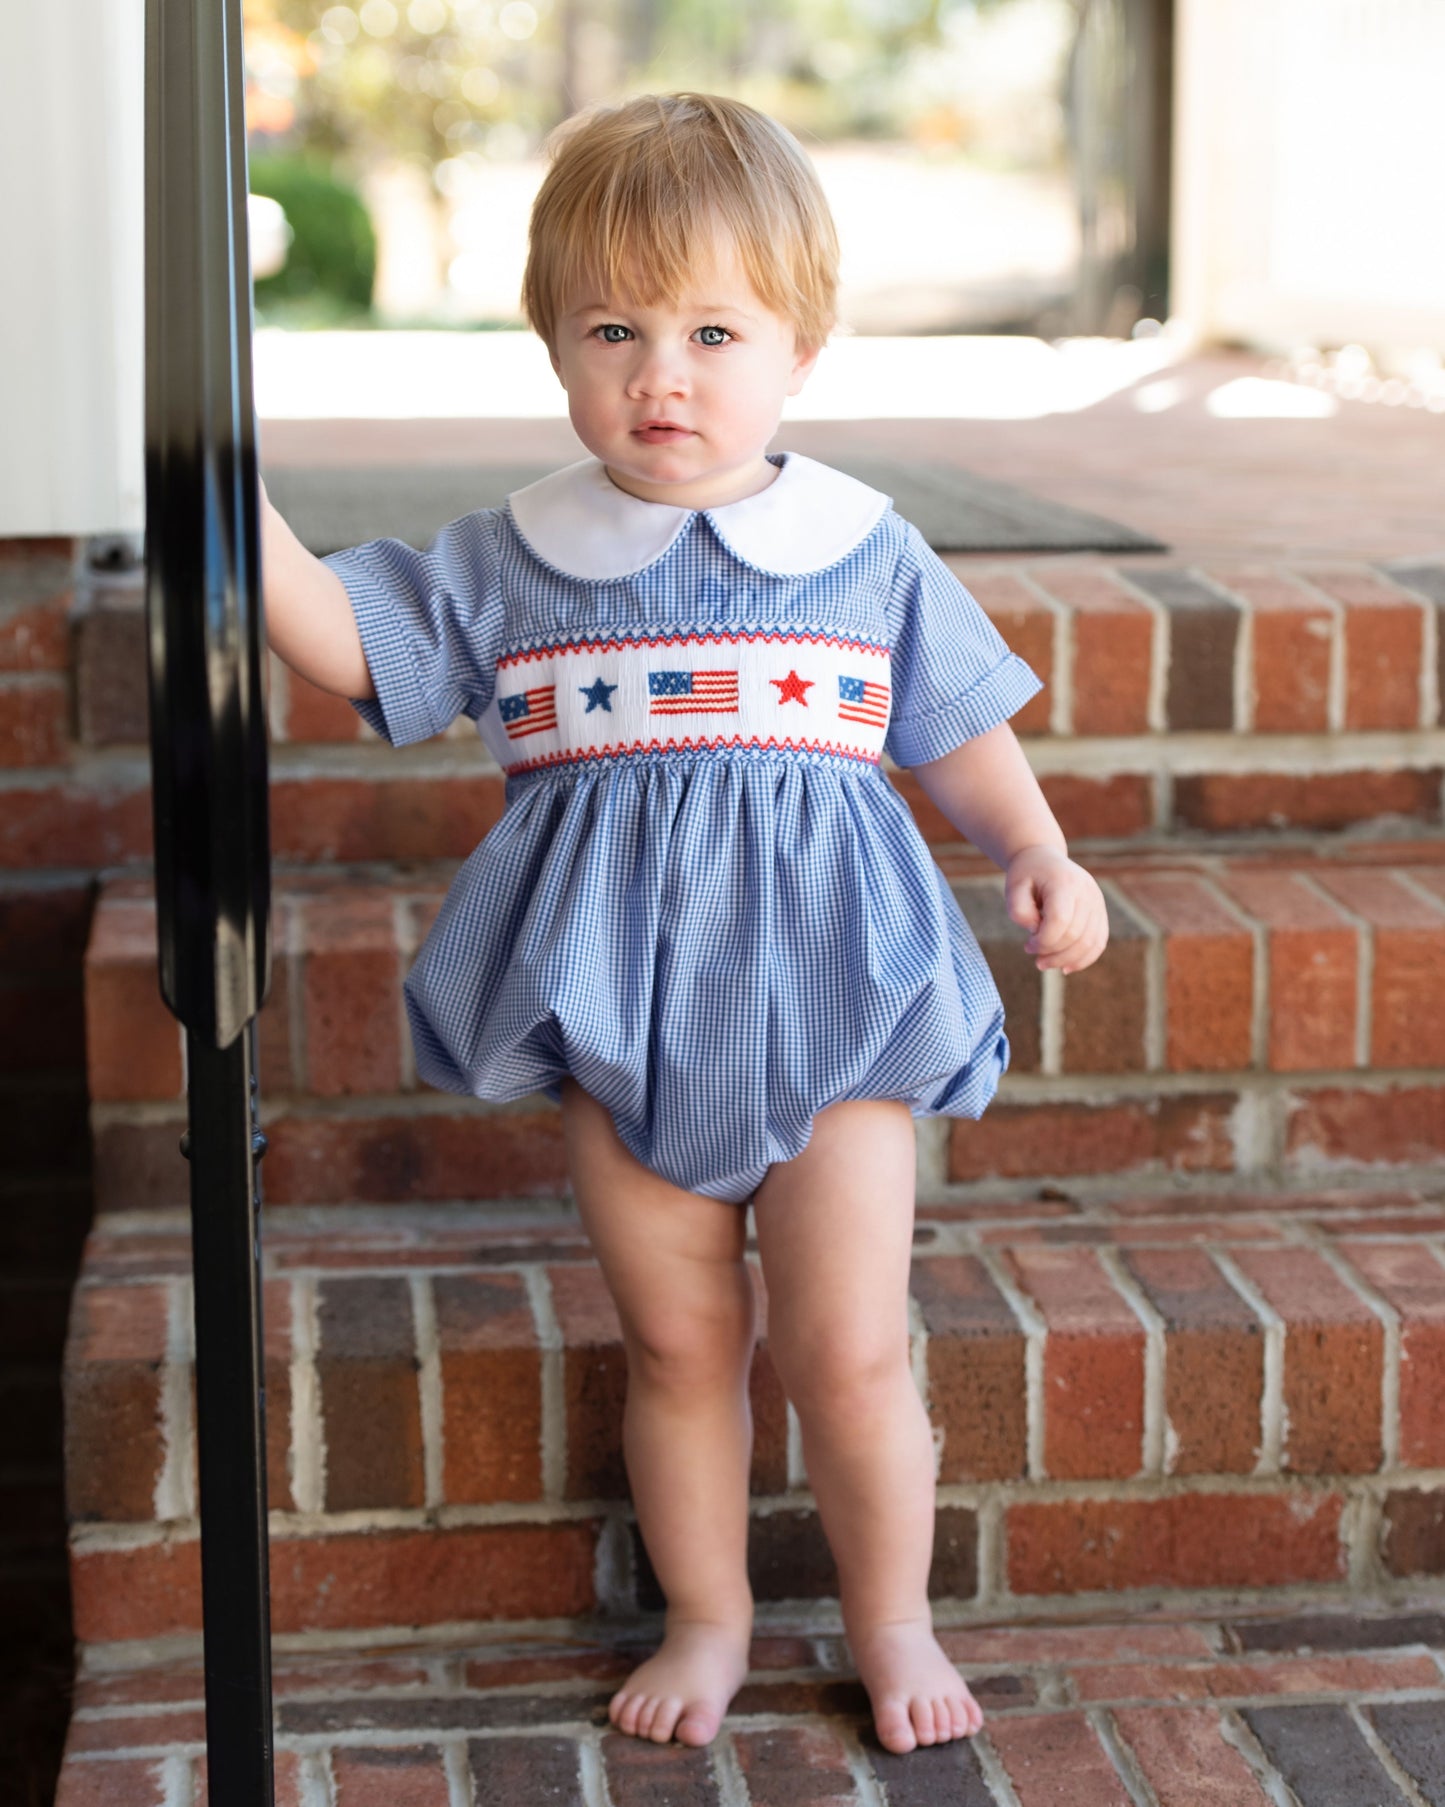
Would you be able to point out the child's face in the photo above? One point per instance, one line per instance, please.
(718, 366)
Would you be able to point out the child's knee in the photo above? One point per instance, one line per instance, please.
(690, 1343)
(842, 1377)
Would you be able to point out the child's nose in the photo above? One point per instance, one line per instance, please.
(659, 370)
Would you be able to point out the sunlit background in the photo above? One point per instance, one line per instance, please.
(941, 132)
(1005, 174)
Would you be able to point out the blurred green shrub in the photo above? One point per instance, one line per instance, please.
(333, 248)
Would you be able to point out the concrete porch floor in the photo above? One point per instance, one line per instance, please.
(1367, 482)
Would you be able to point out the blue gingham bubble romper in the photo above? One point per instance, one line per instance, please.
(703, 900)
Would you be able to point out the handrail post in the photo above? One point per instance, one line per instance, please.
(210, 809)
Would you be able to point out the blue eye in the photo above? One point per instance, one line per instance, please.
(725, 334)
(611, 327)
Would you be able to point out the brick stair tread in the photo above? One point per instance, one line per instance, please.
(1240, 649)
(359, 803)
(1231, 1390)
(1197, 699)
(1320, 957)
(1341, 1703)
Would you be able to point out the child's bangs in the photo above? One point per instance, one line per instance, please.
(655, 261)
(641, 199)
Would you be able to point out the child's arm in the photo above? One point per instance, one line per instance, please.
(988, 792)
(309, 619)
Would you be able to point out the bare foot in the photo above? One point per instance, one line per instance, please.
(918, 1696)
(684, 1690)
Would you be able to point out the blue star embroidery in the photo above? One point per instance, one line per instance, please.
(599, 695)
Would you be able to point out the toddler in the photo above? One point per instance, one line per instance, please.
(706, 924)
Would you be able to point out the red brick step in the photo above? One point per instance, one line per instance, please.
(1347, 1708)
(1272, 1015)
(1125, 1398)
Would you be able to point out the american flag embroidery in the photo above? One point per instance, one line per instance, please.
(861, 700)
(692, 692)
(529, 711)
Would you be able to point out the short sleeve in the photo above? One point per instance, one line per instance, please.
(430, 625)
(952, 674)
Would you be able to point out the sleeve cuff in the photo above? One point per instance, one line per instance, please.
(993, 699)
(401, 711)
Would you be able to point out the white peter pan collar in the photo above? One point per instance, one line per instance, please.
(807, 518)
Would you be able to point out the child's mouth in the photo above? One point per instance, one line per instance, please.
(661, 435)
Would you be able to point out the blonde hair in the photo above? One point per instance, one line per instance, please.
(637, 194)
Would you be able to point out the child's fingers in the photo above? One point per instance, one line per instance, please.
(1058, 922)
(1081, 951)
(1083, 947)
(1021, 903)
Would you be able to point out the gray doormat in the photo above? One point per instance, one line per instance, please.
(954, 510)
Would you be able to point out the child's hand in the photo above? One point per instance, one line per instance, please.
(1044, 890)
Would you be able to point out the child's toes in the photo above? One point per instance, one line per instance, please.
(956, 1716)
(698, 1725)
(623, 1709)
(894, 1726)
(923, 1722)
(658, 1718)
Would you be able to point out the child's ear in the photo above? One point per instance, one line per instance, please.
(803, 362)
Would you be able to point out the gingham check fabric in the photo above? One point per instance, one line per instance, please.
(717, 920)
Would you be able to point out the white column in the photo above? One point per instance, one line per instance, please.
(72, 230)
(1309, 158)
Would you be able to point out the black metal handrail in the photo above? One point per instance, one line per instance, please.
(209, 793)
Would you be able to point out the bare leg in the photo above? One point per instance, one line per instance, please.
(673, 1262)
(835, 1230)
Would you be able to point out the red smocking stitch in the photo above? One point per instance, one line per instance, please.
(645, 641)
(582, 754)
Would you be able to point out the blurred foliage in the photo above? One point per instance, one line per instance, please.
(332, 260)
(366, 81)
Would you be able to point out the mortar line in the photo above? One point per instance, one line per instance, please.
(1161, 649)
(1162, 801)
(308, 1421)
(1238, 1736)
(1061, 712)
(1035, 1330)
(869, 1789)
(797, 1467)
(727, 1770)
(1244, 679)
(178, 1781)
(1430, 698)
(295, 996)
(1335, 683)
(995, 1775)
(553, 1355)
(1155, 1355)
(992, 1554)
(317, 1781)
(1364, 967)
(1390, 1324)
(174, 1496)
(1272, 1425)
(460, 1789)
(1426, 896)
(1051, 1021)
(1259, 969)
(1120, 1755)
(592, 1772)
(1386, 1758)
(401, 939)
(429, 1388)
(918, 1366)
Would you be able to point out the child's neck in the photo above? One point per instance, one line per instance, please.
(711, 492)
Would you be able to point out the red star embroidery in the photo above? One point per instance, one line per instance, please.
(791, 688)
